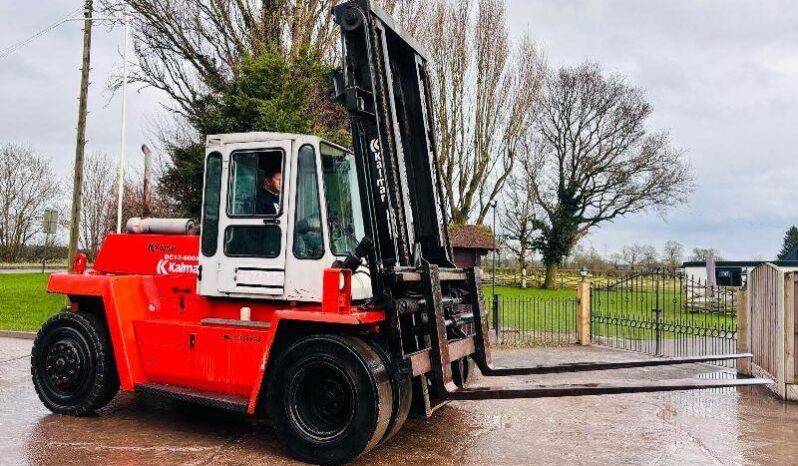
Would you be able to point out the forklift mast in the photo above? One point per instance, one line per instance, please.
(384, 85)
(434, 315)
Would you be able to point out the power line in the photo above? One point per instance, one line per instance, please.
(14, 47)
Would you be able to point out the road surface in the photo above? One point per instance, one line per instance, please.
(744, 426)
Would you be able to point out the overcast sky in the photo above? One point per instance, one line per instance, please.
(722, 76)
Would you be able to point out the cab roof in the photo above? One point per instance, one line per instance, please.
(264, 136)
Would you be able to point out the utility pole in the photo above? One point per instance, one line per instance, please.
(77, 187)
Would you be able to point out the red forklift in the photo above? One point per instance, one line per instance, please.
(335, 311)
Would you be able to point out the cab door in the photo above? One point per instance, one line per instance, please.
(254, 226)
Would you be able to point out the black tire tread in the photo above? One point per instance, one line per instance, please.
(402, 391)
(358, 347)
(106, 384)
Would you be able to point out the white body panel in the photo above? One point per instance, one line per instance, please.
(284, 277)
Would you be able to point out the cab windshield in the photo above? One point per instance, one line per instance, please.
(343, 199)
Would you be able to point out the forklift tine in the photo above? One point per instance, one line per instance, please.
(604, 388)
(608, 365)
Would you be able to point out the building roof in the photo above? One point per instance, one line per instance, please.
(471, 237)
(787, 263)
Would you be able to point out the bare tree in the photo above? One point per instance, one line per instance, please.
(673, 254)
(484, 87)
(519, 214)
(629, 256)
(189, 48)
(484, 95)
(27, 186)
(590, 259)
(649, 259)
(100, 198)
(635, 256)
(98, 214)
(598, 160)
(410, 14)
(701, 254)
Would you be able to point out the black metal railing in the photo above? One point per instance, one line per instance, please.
(534, 321)
(664, 313)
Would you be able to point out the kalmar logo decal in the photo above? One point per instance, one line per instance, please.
(168, 267)
(374, 145)
(157, 247)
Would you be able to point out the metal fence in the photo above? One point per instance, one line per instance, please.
(533, 321)
(664, 313)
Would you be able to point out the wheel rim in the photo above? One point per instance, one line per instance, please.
(321, 400)
(66, 366)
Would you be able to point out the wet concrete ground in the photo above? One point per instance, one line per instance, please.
(743, 426)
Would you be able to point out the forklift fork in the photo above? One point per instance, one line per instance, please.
(443, 351)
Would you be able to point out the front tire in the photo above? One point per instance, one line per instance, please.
(72, 364)
(402, 386)
(330, 398)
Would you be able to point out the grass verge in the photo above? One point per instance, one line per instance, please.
(24, 303)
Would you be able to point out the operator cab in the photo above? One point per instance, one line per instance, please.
(277, 210)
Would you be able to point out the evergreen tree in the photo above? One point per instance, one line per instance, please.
(270, 92)
(790, 242)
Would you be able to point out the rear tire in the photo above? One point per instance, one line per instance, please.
(330, 398)
(72, 364)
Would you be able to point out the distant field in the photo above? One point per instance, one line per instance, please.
(567, 279)
(24, 304)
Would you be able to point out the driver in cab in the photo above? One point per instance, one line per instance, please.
(267, 201)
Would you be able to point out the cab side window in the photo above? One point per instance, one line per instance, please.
(308, 241)
(255, 191)
(210, 208)
(262, 241)
(255, 184)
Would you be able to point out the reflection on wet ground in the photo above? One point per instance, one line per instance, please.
(728, 426)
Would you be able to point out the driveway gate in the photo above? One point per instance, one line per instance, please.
(533, 321)
(664, 313)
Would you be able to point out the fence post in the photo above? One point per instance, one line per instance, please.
(657, 318)
(789, 332)
(496, 316)
(583, 312)
(743, 332)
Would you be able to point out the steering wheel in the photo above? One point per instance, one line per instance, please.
(341, 232)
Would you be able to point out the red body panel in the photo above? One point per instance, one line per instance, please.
(148, 254)
(155, 317)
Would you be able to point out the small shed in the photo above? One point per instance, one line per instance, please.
(730, 273)
(470, 243)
